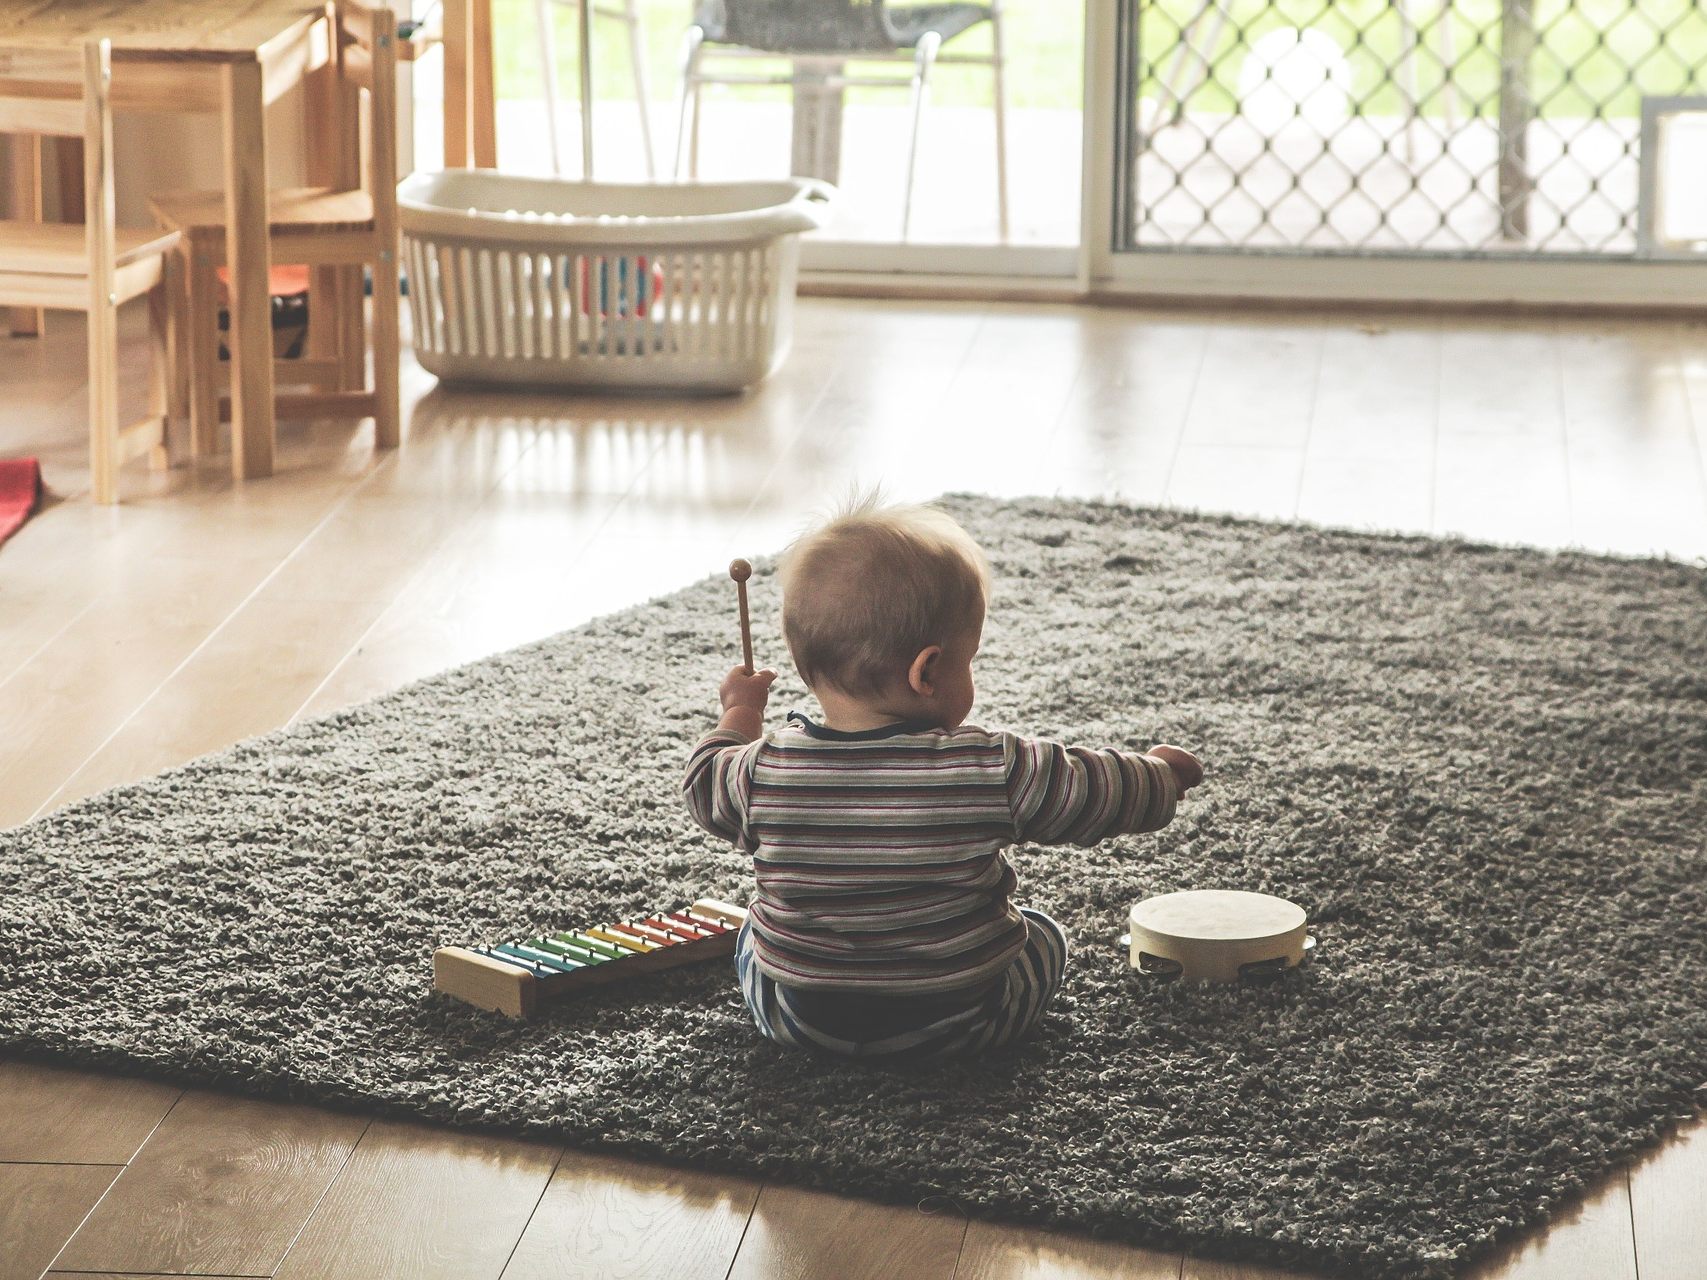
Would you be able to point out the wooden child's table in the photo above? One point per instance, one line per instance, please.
(224, 57)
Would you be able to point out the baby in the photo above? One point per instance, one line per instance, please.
(883, 927)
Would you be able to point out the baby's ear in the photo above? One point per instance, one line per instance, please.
(921, 676)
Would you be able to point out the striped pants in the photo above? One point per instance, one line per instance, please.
(1008, 1014)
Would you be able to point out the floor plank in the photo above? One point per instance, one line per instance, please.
(805, 1235)
(515, 574)
(1689, 355)
(1247, 480)
(1668, 1207)
(1378, 397)
(1118, 433)
(1592, 1240)
(113, 657)
(40, 1206)
(1503, 488)
(221, 1187)
(1014, 381)
(1501, 378)
(1366, 493)
(295, 620)
(621, 1220)
(1281, 356)
(60, 1115)
(1629, 427)
(420, 1203)
(993, 1251)
(192, 712)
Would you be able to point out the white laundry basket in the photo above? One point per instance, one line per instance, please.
(545, 282)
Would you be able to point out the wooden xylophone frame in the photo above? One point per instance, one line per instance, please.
(516, 978)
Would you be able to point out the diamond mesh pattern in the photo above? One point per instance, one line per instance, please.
(1436, 126)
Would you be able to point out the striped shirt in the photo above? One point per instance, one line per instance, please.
(879, 854)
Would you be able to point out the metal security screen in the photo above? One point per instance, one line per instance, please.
(1509, 127)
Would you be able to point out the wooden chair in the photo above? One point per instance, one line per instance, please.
(627, 12)
(94, 268)
(336, 229)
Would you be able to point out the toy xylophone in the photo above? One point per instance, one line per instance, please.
(517, 977)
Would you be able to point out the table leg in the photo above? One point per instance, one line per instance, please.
(248, 261)
(815, 149)
(26, 207)
(483, 107)
(201, 346)
(332, 112)
(352, 320)
(320, 120)
(458, 17)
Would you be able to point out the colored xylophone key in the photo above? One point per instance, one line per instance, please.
(515, 977)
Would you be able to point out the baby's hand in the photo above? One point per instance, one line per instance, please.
(742, 690)
(1188, 771)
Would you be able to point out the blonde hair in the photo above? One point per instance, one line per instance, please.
(864, 592)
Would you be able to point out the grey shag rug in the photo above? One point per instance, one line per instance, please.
(1484, 771)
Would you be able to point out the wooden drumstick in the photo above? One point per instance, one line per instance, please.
(740, 570)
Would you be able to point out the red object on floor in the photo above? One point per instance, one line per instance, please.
(287, 281)
(20, 490)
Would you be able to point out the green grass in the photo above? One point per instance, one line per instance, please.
(1591, 55)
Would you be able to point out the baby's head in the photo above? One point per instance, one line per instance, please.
(883, 608)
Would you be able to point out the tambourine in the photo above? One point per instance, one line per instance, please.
(1216, 935)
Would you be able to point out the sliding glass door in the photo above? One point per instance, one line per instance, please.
(1459, 150)
(1533, 132)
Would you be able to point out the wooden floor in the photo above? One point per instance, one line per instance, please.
(198, 613)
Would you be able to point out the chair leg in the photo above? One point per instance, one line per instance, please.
(923, 59)
(387, 305)
(104, 403)
(693, 138)
(160, 377)
(692, 43)
(26, 178)
(999, 69)
(637, 51)
(201, 342)
(351, 329)
(322, 343)
(176, 301)
(542, 12)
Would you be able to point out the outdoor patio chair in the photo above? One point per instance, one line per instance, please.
(823, 35)
(626, 12)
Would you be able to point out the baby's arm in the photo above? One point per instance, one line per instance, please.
(1083, 795)
(720, 767)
